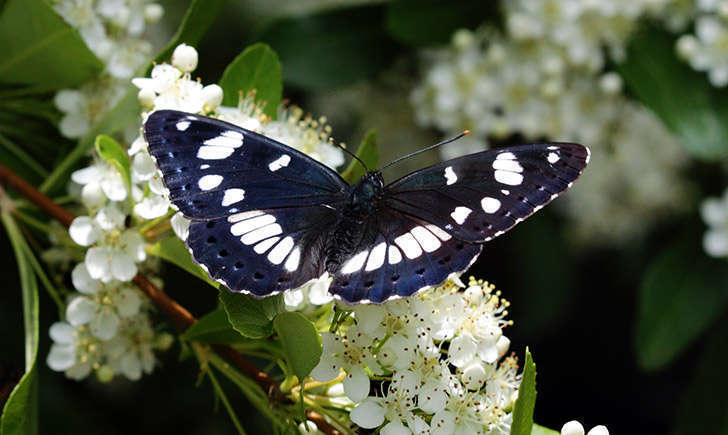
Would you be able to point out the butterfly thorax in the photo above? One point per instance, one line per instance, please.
(361, 202)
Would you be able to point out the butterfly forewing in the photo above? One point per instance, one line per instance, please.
(479, 196)
(261, 211)
(214, 169)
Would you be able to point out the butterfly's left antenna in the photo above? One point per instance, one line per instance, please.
(447, 141)
(340, 145)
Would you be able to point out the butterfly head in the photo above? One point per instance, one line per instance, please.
(364, 193)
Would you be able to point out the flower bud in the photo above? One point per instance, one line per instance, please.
(572, 428)
(473, 375)
(211, 96)
(153, 12)
(105, 374)
(610, 83)
(146, 97)
(598, 430)
(184, 58)
(687, 46)
(164, 341)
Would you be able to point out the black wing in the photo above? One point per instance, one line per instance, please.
(432, 223)
(480, 196)
(261, 210)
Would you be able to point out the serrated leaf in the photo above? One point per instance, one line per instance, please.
(301, 342)
(352, 41)
(704, 408)
(214, 328)
(368, 153)
(523, 409)
(682, 294)
(20, 414)
(541, 430)
(251, 317)
(110, 150)
(256, 68)
(174, 250)
(199, 17)
(684, 100)
(40, 48)
(418, 22)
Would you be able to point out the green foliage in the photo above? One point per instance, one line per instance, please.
(368, 152)
(20, 414)
(214, 328)
(540, 430)
(682, 294)
(199, 17)
(40, 49)
(523, 409)
(174, 250)
(251, 317)
(684, 100)
(301, 342)
(110, 150)
(353, 41)
(256, 68)
(418, 22)
(704, 409)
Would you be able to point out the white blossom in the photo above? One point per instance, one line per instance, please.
(715, 214)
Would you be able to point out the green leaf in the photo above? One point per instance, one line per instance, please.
(704, 409)
(684, 100)
(427, 22)
(681, 295)
(251, 317)
(523, 409)
(114, 154)
(174, 250)
(256, 68)
(39, 48)
(20, 414)
(214, 328)
(367, 152)
(540, 430)
(353, 42)
(199, 17)
(301, 342)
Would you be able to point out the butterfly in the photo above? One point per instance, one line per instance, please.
(266, 218)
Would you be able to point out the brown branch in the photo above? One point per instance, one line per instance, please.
(179, 315)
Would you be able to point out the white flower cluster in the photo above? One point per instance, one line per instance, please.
(545, 79)
(114, 31)
(107, 327)
(715, 214)
(707, 49)
(436, 360)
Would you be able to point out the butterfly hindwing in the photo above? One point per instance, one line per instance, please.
(397, 256)
(213, 168)
(479, 196)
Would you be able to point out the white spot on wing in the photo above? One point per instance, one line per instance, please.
(442, 235)
(450, 175)
(355, 263)
(229, 138)
(207, 152)
(552, 158)
(507, 165)
(510, 178)
(280, 162)
(261, 233)
(205, 166)
(293, 259)
(279, 253)
(394, 255)
(182, 125)
(506, 156)
(460, 214)
(490, 205)
(426, 239)
(209, 182)
(265, 245)
(244, 215)
(506, 192)
(232, 196)
(376, 258)
(553, 148)
(249, 225)
(409, 245)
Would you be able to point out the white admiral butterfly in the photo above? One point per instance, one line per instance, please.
(267, 218)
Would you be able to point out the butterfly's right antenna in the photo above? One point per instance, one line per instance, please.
(340, 145)
(447, 141)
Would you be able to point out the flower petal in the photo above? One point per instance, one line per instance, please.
(82, 281)
(356, 384)
(61, 357)
(83, 230)
(105, 324)
(123, 267)
(128, 303)
(98, 263)
(80, 311)
(368, 414)
(62, 333)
